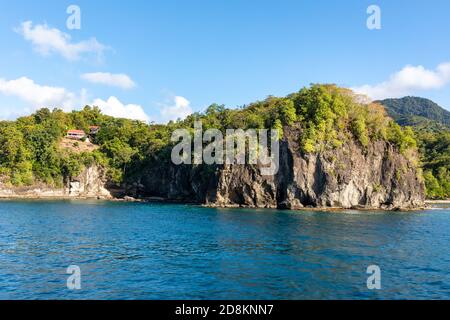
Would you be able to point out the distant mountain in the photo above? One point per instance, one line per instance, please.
(417, 112)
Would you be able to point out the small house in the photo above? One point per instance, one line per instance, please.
(76, 134)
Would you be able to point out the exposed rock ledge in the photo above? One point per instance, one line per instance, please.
(349, 177)
(90, 184)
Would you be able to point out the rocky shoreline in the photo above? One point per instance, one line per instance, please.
(89, 184)
(378, 177)
(431, 202)
(172, 201)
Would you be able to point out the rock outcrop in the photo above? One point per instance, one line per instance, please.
(90, 183)
(376, 177)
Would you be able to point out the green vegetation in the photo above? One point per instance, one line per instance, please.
(431, 126)
(435, 152)
(332, 115)
(327, 116)
(410, 110)
(29, 147)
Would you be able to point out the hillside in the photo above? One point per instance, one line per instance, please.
(334, 152)
(431, 125)
(414, 110)
(71, 146)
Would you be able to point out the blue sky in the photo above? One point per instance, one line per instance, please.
(174, 57)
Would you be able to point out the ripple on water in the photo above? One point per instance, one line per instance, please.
(157, 251)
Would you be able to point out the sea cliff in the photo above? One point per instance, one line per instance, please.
(375, 177)
(336, 150)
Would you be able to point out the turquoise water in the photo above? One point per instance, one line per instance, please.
(154, 251)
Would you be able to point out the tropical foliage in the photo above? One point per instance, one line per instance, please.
(326, 114)
(431, 126)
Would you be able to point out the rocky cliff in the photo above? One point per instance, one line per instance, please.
(90, 183)
(347, 177)
(376, 177)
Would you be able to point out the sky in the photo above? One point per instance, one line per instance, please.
(161, 60)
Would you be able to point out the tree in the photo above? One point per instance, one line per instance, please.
(433, 188)
(278, 126)
(288, 112)
(120, 155)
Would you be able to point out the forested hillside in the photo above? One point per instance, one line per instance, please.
(408, 110)
(328, 116)
(431, 125)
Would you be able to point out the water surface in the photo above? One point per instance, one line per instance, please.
(154, 251)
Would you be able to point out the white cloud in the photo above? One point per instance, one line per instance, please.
(48, 40)
(179, 109)
(37, 96)
(115, 80)
(408, 81)
(113, 107)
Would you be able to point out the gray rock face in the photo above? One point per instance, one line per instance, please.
(377, 177)
(90, 183)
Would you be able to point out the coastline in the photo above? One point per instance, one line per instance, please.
(173, 201)
(92, 198)
(437, 201)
